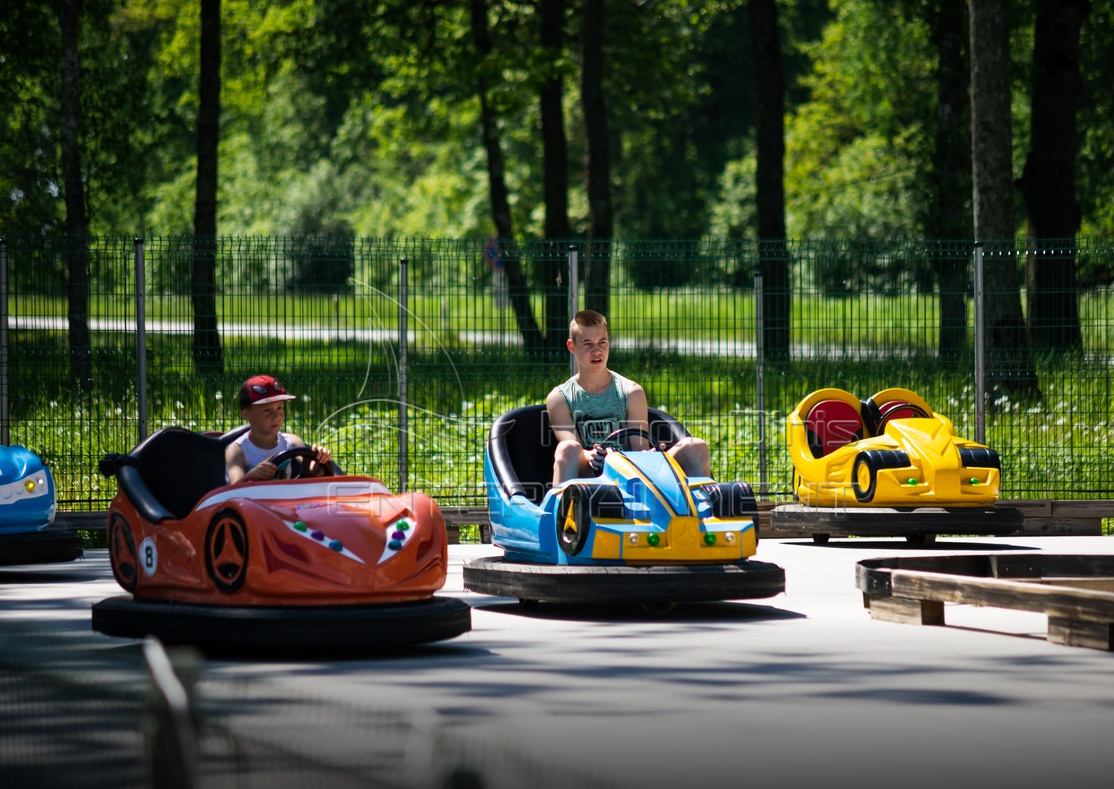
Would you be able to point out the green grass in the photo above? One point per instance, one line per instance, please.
(1059, 447)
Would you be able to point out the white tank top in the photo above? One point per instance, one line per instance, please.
(254, 455)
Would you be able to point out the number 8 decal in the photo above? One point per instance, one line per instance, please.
(149, 557)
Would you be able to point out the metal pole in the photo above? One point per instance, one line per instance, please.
(403, 341)
(5, 426)
(980, 349)
(760, 381)
(574, 295)
(170, 736)
(140, 339)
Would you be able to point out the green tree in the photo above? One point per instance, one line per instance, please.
(73, 190)
(207, 354)
(597, 258)
(1009, 359)
(1048, 181)
(770, 176)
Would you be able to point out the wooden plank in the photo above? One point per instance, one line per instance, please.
(1095, 508)
(465, 516)
(1101, 584)
(906, 611)
(91, 521)
(1077, 633)
(1030, 508)
(1056, 601)
(1059, 527)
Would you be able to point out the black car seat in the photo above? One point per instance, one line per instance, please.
(168, 473)
(521, 447)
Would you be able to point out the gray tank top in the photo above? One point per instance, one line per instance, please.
(597, 415)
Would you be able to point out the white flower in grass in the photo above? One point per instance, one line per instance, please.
(219, 396)
(53, 403)
(179, 405)
(306, 397)
(119, 410)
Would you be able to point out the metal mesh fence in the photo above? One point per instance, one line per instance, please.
(486, 325)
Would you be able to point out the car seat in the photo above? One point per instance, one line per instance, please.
(521, 447)
(169, 472)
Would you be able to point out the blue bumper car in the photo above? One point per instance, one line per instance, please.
(27, 504)
(642, 531)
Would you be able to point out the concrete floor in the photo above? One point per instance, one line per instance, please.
(803, 689)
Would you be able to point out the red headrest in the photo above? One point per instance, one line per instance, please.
(899, 409)
(833, 424)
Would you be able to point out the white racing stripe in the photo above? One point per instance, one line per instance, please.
(303, 490)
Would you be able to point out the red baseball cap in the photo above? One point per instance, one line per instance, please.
(262, 389)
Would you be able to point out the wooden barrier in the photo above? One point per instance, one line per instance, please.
(1076, 593)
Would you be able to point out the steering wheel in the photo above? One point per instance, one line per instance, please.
(299, 458)
(626, 432)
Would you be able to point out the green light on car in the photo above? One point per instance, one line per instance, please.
(654, 540)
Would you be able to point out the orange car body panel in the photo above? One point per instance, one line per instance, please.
(324, 541)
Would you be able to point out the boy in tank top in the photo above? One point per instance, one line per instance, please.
(262, 404)
(596, 401)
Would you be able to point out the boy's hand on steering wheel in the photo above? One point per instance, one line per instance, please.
(595, 458)
(265, 470)
(323, 456)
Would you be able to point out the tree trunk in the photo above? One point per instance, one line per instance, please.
(773, 252)
(77, 223)
(597, 257)
(1048, 181)
(951, 173)
(497, 188)
(1009, 360)
(207, 355)
(556, 174)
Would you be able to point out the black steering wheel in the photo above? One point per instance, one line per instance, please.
(617, 436)
(299, 458)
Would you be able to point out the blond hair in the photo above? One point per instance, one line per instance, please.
(586, 319)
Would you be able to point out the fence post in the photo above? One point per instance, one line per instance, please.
(403, 341)
(5, 427)
(760, 381)
(574, 295)
(980, 349)
(140, 338)
(170, 737)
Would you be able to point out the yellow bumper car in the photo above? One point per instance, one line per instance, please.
(888, 466)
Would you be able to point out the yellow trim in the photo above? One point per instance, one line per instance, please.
(633, 470)
(606, 545)
(683, 479)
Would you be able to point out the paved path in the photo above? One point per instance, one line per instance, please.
(801, 690)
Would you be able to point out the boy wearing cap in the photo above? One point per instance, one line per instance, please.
(262, 404)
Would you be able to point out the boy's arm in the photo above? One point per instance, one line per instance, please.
(638, 415)
(234, 463)
(560, 418)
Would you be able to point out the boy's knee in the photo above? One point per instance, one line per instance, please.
(692, 445)
(566, 451)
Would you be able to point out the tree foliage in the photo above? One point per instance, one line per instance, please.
(361, 117)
